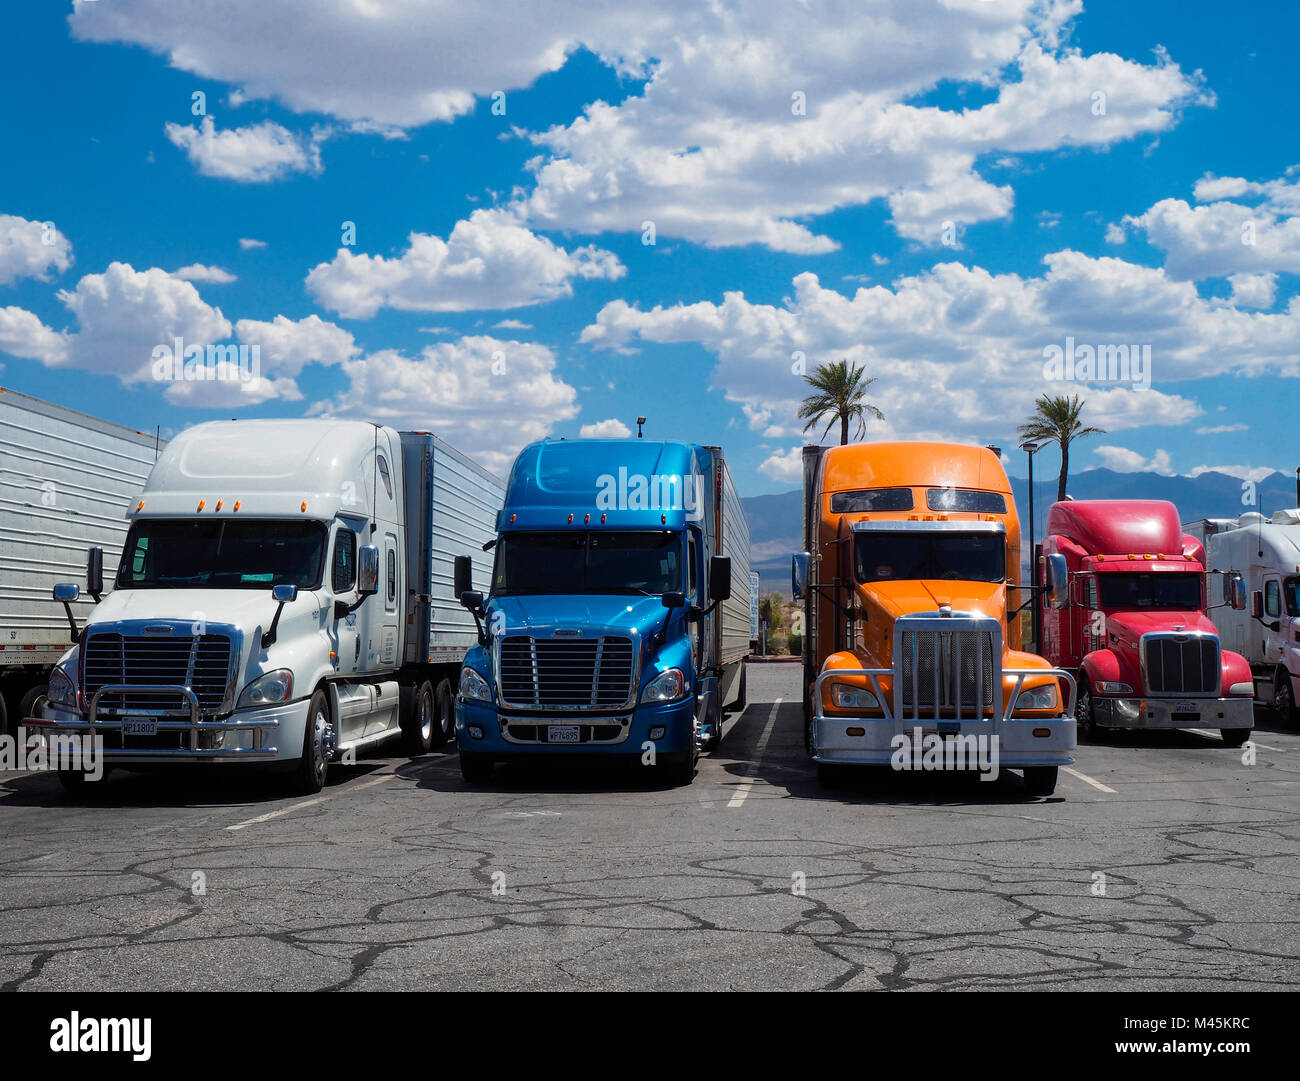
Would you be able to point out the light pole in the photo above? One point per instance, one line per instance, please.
(1029, 447)
(639, 421)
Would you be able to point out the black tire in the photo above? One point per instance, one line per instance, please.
(313, 765)
(418, 720)
(4, 718)
(807, 727)
(444, 715)
(1040, 780)
(738, 706)
(1085, 716)
(678, 774)
(475, 768)
(1284, 697)
(713, 724)
(1235, 737)
(34, 697)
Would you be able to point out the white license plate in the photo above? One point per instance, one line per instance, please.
(563, 733)
(140, 726)
(1186, 707)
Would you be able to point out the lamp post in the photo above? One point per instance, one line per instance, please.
(1029, 447)
(639, 421)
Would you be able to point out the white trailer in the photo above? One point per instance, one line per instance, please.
(65, 479)
(280, 600)
(1266, 553)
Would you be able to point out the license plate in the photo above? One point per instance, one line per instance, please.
(563, 733)
(140, 726)
(1186, 707)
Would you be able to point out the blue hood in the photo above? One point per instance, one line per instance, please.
(592, 614)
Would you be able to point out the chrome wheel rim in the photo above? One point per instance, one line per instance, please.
(426, 717)
(320, 726)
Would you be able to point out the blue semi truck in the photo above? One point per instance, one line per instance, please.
(618, 618)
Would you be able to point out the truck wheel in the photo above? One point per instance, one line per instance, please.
(807, 727)
(309, 777)
(713, 724)
(475, 768)
(738, 706)
(1040, 780)
(444, 715)
(1084, 716)
(419, 721)
(1235, 737)
(4, 718)
(31, 700)
(1284, 696)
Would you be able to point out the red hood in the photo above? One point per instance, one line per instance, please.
(1144, 621)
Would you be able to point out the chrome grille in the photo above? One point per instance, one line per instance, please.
(591, 673)
(200, 662)
(1182, 664)
(948, 669)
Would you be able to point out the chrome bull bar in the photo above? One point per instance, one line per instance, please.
(192, 722)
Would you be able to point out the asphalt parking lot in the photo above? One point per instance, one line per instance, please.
(1162, 862)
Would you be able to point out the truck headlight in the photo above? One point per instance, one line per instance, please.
(1037, 698)
(844, 696)
(63, 690)
(268, 690)
(667, 686)
(474, 686)
(1237, 688)
(1107, 687)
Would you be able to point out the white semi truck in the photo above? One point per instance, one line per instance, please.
(284, 596)
(64, 481)
(1265, 551)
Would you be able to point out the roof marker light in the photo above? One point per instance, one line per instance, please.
(663, 519)
(570, 517)
(304, 504)
(586, 518)
(140, 505)
(219, 502)
(202, 503)
(236, 504)
(512, 518)
(602, 519)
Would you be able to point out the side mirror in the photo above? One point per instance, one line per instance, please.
(282, 595)
(1235, 586)
(472, 599)
(1058, 581)
(799, 575)
(1257, 604)
(95, 571)
(462, 577)
(66, 592)
(673, 600)
(368, 570)
(720, 578)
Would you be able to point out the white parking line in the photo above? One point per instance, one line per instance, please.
(748, 783)
(1215, 735)
(1088, 780)
(310, 802)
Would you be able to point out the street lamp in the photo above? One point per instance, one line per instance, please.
(1029, 446)
(639, 421)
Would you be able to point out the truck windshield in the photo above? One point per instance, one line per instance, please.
(1169, 590)
(911, 555)
(645, 563)
(251, 553)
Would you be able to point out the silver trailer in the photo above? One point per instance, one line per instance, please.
(66, 481)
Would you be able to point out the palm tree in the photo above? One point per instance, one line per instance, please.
(841, 394)
(1056, 420)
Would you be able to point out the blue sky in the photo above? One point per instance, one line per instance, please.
(949, 161)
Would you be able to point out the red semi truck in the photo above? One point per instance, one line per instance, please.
(1123, 604)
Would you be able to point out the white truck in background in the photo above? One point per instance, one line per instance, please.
(1265, 551)
(64, 481)
(284, 596)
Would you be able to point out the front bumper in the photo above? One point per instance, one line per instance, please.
(1235, 712)
(273, 734)
(506, 735)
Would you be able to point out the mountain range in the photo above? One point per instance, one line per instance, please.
(775, 520)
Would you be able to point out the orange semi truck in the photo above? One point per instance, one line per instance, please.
(910, 580)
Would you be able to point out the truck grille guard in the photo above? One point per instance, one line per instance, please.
(946, 680)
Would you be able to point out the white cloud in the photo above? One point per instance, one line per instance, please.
(1123, 460)
(1253, 290)
(230, 388)
(22, 334)
(611, 428)
(287, 346)
(489, 261)
(461, 390)
(753, 118)
(1241, 472)
(512, 324)
(1222, 429)
(248, 243)
(31, 249)
(197, 272)
(946, 342)
(784, 465)
(254, 154)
